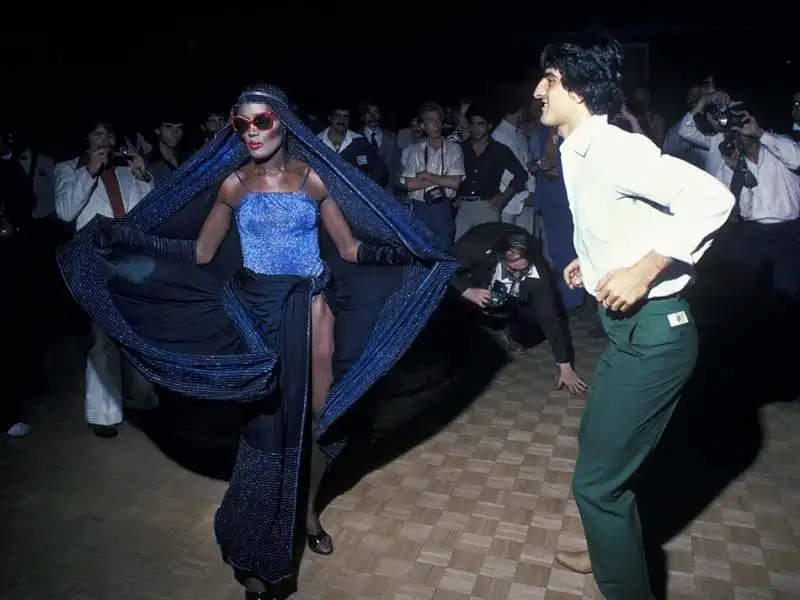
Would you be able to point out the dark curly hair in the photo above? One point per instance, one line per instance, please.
(590, 66)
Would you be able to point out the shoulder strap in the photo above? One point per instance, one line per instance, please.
(241, 181)
(305, 178)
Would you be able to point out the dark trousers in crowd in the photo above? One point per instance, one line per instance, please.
(20, 342)
(30, 286)
(438, 218)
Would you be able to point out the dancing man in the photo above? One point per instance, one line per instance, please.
(641, 220)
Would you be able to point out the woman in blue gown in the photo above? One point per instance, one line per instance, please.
(215, 287)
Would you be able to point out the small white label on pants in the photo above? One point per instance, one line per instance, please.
(678, 318)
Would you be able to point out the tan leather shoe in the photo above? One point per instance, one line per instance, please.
(575, 561)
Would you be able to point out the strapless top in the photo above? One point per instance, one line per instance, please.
(279, 233)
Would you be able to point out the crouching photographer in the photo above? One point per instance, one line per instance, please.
(506, 282)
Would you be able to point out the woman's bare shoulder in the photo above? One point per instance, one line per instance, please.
(232, 189)
(315, 186)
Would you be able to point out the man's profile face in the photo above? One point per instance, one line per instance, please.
(556, 101)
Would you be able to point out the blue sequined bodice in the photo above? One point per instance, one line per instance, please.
(278, 232)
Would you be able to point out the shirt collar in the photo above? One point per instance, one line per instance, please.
(500, 273)
(346, 141)
(445, 141)
(581, 139)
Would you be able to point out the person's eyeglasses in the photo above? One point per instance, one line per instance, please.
(515, 273)
(262, 121)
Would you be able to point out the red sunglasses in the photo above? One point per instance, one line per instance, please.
(262, 121)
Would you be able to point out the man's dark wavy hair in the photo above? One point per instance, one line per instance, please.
(590, 66)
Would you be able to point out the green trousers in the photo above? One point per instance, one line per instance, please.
(636, 386)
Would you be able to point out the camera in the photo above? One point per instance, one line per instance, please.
(498, 295)
(123, 151)
(435, 195)
(121, 156)
(726, 117)
(729, 144)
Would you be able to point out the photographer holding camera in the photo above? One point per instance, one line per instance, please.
(712, 106)
(758, 168)
(504, 277)
(107, 180)
(755, 164)
(432, 172)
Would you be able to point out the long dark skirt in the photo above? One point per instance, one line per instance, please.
(220, 333)
(200, 335)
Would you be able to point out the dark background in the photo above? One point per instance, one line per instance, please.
(134, 65)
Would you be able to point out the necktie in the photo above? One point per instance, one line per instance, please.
(374, 139)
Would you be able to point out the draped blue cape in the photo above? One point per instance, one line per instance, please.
(261, 506)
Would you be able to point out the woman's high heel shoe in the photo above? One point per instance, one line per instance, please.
(320, 542)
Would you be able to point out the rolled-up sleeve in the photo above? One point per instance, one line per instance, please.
(410, 162)
(455, 160)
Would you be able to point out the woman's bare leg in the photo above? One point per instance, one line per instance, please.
(321, 353)
(321, 380)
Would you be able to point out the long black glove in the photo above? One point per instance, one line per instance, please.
(114, 235)
(373, 254)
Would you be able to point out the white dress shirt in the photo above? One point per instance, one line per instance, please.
(509, 135)
(348, 139)
(511, 285)
(680, 147)
(776, 197)
(414, 162)
(714, 161)
(628, 199)
(79, 196)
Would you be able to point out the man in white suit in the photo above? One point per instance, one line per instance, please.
(100, 181)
